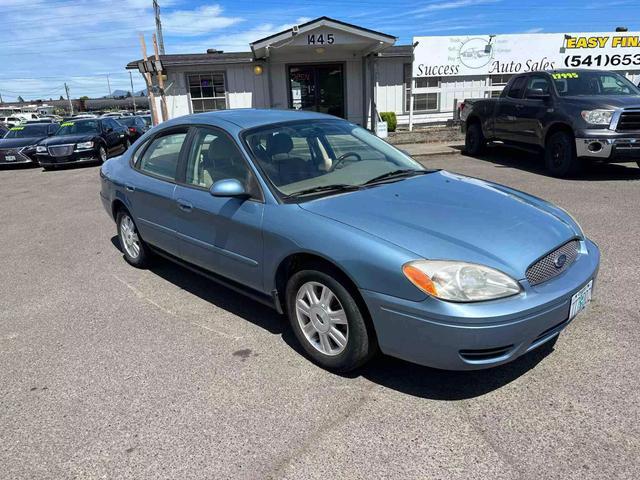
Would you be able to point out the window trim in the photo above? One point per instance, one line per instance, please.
(208, 72)
(147, 143)
(183, 162)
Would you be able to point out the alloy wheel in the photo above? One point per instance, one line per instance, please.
(103, 154)
(322, 318)
(129, 237)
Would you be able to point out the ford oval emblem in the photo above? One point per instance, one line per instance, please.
(560, 261)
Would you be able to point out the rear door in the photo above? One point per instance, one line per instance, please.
(506, 116)
(222, 235)
(151, 189)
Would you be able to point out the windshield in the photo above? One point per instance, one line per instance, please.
(593, 83)
(79, 127)
(300, 156)
(26, 131)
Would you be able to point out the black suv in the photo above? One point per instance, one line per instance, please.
(83, 140)
(572, 115)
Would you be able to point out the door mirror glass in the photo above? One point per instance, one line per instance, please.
(229, 187)
(537, 94)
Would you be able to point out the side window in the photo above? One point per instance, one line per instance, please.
(52, 128)
(161, 157)
(213, 157)
(517, 88)
(539, 82)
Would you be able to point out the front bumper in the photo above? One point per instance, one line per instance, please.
(80, 156)
(608, 146)
(20, 157)
(455, 336)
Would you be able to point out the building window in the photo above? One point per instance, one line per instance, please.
(499, 81)
(422, 102)
(207, 91)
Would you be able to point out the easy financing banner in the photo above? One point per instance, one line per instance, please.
(508, 54)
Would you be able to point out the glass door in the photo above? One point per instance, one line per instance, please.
(319, 88)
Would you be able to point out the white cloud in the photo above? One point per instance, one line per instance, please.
(202, 20)
(534, 30)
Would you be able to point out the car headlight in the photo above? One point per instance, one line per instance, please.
(41, 149)
(597, 117)
(459, 281)
(84, 145)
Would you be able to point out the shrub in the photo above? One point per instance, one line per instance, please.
(390, 118)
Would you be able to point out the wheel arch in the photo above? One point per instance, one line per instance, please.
(301, 260)
(557, 127)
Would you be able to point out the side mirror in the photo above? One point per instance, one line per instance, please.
(229, 187)
(537, 94)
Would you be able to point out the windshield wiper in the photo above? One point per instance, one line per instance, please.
(406, 172)
(338, 187)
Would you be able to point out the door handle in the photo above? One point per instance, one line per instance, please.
(129, 188)
(184, 205)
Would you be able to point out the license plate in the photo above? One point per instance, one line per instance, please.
(580, 300)
(10, 158)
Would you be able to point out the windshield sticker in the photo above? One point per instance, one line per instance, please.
(558, 76)
(67, 124)
(16, 129)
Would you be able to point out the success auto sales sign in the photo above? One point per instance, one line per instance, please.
(508, 54)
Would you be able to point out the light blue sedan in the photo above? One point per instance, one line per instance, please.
(360, 246)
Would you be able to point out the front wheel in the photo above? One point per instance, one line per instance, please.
(134, 249)
(327, 321)
(102, 154)
(474, 141)
(560, 155)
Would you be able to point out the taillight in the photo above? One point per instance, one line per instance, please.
(132, 129)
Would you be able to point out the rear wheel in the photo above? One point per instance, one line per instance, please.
(327, 321)
(474, 141)
(134, 249)
(560, 155)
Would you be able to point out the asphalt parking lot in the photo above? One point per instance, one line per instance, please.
(107, 371)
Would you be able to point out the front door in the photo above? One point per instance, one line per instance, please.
(222, 235)
(319, 88)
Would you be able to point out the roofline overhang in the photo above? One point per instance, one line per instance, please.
(322, 22)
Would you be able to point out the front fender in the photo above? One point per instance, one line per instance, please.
(370, 262)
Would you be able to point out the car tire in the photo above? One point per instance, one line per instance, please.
(48, 168)
(474, 141)
(560, 155)
(330, 326)
(102, 154)
(135, 251)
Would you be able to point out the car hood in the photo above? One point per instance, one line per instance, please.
(18, 142)
(65, 139)
(604, 101)
(447, 216)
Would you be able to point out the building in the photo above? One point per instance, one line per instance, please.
(353, 72)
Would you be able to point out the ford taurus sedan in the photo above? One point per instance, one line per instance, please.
(362, 247)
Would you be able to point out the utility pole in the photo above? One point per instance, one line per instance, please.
(156, 10)
(133, 94)
(0, 98)
(163, 100)
(66, 89)
(109, 84)
(148, 81)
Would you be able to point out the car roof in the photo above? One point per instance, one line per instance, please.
(251, 117)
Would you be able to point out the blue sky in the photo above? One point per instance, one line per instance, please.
(44, 43)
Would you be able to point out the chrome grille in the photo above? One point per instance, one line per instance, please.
(629, 120)
(61, 150)
(549, 266)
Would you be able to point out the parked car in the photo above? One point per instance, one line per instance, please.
(362, 246)
(41, 120)
(572, 115)
(83, 140)
(18, 146)
(147, 119)
(136, 125)
(11, 121)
